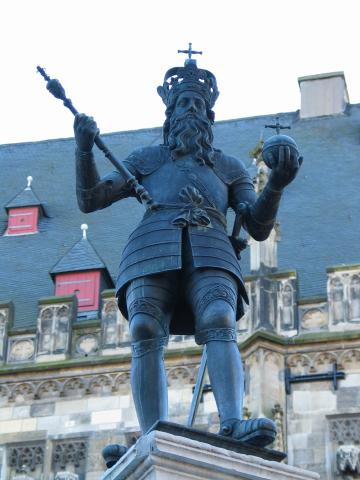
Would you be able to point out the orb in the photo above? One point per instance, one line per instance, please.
(270, 151)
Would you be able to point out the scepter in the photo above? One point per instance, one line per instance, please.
(56, 89)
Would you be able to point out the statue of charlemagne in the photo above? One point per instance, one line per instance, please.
(179, 272)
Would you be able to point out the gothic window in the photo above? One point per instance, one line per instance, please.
(344, 432)
(287, 307)
(85, 285)
(53, 330)
(62, 318)
(355, 298)
(110, 325)
(337, 300)
(269, 299)
(69, 458)
(3, 325)
(114, 326)
(22, 221)
(25, 459)
(46, 331)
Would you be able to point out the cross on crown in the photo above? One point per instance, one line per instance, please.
(190, 52)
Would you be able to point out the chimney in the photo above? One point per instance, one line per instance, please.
(323, 94)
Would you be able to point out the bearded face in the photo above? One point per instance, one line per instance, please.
(190, 129)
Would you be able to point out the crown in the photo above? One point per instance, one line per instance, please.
(188, 77)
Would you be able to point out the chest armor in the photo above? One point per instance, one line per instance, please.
(166, 183)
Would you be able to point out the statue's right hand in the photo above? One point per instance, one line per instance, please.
(85, 129)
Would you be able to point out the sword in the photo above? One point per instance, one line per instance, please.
(238, 244)
(56, 89)
(198, 390)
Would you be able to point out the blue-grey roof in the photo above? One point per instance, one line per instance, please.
(26, 198)
(319, 213)
(80, 257)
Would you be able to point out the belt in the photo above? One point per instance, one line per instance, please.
(190, 214)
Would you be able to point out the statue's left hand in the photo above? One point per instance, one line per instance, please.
(285, 169)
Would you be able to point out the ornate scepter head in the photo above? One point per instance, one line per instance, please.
(56, 89)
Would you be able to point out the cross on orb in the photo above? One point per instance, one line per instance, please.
(278, 126)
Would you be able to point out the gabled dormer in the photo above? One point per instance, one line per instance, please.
(82, 272)
(24, 211)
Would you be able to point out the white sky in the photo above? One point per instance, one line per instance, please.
(110, 56)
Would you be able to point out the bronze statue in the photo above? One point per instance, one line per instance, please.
(179, 272)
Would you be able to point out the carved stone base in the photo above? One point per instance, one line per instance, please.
(160, 455)
(22, 477)
(66, 476)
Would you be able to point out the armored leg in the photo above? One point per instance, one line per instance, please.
(148, 381)
(149, 306)
(214, 296)
(214, 303)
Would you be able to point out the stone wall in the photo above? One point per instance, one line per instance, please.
(66, 416)
(65, 393)
(321, 419)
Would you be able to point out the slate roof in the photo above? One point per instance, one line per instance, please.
(319, 213)
(26, 198)
(81, 256)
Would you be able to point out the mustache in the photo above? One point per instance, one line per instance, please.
(189, 116)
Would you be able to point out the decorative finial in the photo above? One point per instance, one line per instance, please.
(190, 52)
(84, 227)
(29, 181)
(278, 126)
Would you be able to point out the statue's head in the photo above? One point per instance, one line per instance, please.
(189, 95)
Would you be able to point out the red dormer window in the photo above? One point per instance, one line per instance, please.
(85, 285)
(23, 220)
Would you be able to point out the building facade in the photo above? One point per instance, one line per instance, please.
(64, 346)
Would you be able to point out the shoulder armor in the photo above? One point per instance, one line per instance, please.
(229, 169)
(148, 159)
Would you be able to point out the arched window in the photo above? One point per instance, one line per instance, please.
(336, 300)
(287, 307)
(355, 298)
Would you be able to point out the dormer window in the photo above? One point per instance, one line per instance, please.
(82, 272)
(22, 220)
(85, 285)
(24, 211)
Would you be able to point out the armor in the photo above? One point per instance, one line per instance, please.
(192, 199)
(195, 200)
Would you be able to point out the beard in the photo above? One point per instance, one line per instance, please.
(191, 134)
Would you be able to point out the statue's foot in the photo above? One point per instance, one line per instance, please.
(112, 454)
(256, 431)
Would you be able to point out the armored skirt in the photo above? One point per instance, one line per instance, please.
(156, 246)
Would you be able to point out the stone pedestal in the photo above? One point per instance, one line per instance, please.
(161, 455)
